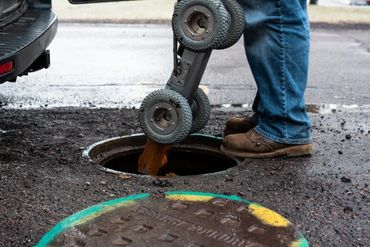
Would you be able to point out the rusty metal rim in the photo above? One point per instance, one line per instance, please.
(101, 152)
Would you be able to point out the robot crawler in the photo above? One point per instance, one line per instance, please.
(169, 115)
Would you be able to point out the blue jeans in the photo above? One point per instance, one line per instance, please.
(277, 43)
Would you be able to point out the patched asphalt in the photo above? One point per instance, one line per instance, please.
(43, 177)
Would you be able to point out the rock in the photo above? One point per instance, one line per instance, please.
(124, 177)
(348, 136)
(87, 183)
(103, 183)
(348, 209)
(345, 179)
(340, 152)
(343, 122)
(26, 185)
(162, 183)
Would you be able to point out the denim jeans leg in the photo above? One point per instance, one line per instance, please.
(277, 44)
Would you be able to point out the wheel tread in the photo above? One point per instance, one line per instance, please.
(201, 120)
(237, 26)
(202, 46)
(180, 102)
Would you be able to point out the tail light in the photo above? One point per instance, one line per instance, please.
(6, 67)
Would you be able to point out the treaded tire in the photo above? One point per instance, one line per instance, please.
(203, 111)
(237, 26)
(221, 26)
(180, 108)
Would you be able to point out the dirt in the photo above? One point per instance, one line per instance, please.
(43, 178)
(154, 157)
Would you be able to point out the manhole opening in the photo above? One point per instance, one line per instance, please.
(181, 162)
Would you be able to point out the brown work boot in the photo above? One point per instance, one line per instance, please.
(238, 125)
(253, 145)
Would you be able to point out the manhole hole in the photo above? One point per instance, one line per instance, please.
(198, 154)
(175, 219)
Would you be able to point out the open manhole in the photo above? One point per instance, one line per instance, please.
(177, 218)
(198, 154)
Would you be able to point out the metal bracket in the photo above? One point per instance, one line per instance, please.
(188, 71)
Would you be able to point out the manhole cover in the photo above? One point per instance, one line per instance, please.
(175, 219)
(198, 154)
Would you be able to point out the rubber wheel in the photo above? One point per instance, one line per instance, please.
(165, 117)
(200, 25)
(237, 26)
(201, 111)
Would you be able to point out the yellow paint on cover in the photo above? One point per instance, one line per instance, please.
(267, 216)
(193, 198)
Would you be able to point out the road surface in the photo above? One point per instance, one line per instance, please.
(43, 178)
(118, 65)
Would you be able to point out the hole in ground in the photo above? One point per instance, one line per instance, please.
(181, 162)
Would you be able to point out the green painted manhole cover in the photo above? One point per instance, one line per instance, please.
(175, 219)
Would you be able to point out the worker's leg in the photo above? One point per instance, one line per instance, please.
(277, 47)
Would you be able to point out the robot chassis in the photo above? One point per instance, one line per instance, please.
(169, 115)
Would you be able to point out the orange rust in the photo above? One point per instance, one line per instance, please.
(155, 156)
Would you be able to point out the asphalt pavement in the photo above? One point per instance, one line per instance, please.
(118, 65)
(43, 178)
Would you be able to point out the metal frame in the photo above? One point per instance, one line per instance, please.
(188, 70)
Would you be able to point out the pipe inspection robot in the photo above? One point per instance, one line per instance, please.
(169, 115)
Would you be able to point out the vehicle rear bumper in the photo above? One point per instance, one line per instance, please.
(25, 40)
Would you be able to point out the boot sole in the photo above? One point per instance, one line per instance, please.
(294, 151)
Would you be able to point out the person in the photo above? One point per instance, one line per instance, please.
(277, 43)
